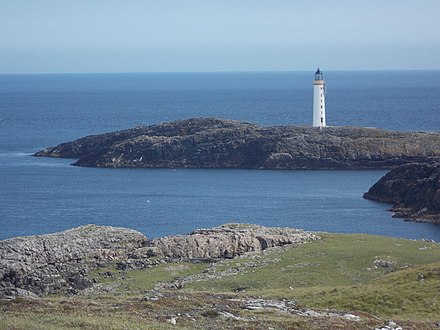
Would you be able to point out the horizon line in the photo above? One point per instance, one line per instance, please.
(205, 72)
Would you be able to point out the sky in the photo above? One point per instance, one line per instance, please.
(56, 36)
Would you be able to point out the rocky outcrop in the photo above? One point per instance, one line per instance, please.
(216, 143)
(43, 264)
(413, 189)
(228, 241)
(39, 265)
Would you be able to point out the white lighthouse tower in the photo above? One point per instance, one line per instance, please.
(319, 100)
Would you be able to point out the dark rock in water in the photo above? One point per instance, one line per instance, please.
(413, 189)
(39, 265)
(216, 143)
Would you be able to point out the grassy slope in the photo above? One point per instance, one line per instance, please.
(337, 272)
(400, 294)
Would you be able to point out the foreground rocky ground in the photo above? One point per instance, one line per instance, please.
(217, 143)
(413, 189)
(234, 276)
(39, 265)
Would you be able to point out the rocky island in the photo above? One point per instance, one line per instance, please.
(217, 143)
(414, 191)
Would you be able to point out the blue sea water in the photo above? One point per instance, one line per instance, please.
(41, 195)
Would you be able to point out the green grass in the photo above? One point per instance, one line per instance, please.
(337, 273)
(57, 321)
(146, 279)
(399, 294)
(336, 260)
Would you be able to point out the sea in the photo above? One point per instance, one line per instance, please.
(45, 195)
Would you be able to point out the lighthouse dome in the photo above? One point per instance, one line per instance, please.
(319, 75)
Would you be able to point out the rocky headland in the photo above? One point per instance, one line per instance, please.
(414, 191)
(217, 143)
(61, 262)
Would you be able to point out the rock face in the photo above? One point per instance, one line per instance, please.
(228, 241)
(39, 265)
(216, 143)
(42, 264)
(413, 189)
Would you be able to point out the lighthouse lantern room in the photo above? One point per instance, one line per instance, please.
(319, 100)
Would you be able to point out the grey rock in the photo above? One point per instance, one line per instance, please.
(288, 306)
(217, 143)
(390, 264)
(389, 325)
(228, 241)
(40, 265)
(46, 263)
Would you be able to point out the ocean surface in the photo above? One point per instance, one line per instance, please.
(42, 195)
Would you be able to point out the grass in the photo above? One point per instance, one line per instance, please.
(340, 272)
(62, 321)
(58, 314)
(190, 311)
(145, 279)
(336, 260)
(400, 294)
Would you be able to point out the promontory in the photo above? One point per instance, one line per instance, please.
(414, 191)
(218, 143)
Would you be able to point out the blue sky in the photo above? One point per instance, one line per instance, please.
(226, 35)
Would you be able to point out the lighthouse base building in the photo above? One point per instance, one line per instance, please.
(319, 100)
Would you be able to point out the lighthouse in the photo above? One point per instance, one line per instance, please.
(319, 100)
